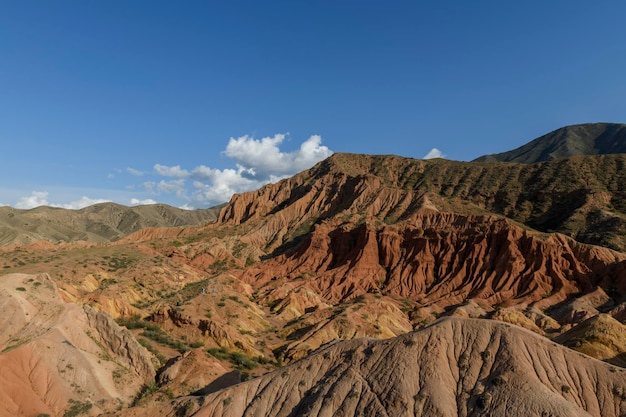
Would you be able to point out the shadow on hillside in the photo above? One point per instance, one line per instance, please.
(224, 381)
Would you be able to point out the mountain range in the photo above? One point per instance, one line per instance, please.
(366, 285)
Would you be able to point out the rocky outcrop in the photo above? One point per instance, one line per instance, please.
(600, 336)
(195, 371)
(441, 258)
(120, 343)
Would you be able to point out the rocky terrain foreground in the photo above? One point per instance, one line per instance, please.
(59, 356)
(366, 285)
(454, 367)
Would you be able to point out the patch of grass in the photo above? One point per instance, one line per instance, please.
(219, 353)
(21, 289)
(235, 299)
(163, 338)
(160, 358)
(107, 282)
(146, 391)
(77, 408)
(238, 359)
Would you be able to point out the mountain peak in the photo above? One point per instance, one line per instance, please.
(574, 140)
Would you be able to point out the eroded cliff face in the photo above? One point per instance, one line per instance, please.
(442, 258)
(455, 367)
(58, 355)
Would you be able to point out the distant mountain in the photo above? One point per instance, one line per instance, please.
(104, 222)
(584, 139)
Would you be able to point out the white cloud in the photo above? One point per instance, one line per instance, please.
(82, 203)
(264, 158)
(173, 187)
(40, 198)
(149, 187)
(36, 199)
(174, 171)
(257, 162)
(137, 202)
(434, 153)
(222, 184)
(134, 172)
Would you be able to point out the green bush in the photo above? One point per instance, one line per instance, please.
(77, 408)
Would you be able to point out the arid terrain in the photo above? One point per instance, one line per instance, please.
(366, 285)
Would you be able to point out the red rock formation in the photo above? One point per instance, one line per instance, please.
(440, 258)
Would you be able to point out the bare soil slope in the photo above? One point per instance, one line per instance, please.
(455, 367)
(58, 357)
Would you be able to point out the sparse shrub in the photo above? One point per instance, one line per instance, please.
(242, 361)
(497, 381)
(227, 401)
(565, 389)
(163, 338)
(77, 408)
(484, 401)
(235, 299)
(262, 360)
(408, 342)
(21, 289)
(147, 390)
(463, 360)
(219, 353)
(133, 322)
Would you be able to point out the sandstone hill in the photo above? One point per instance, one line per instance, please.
(584, 139)
(63, 359)
(98, 223)
(453, 368)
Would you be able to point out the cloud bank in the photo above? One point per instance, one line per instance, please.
(257, 162)
(40, 198)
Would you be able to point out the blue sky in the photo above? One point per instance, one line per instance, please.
(185, 103)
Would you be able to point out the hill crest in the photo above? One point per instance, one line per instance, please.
(574, 140)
